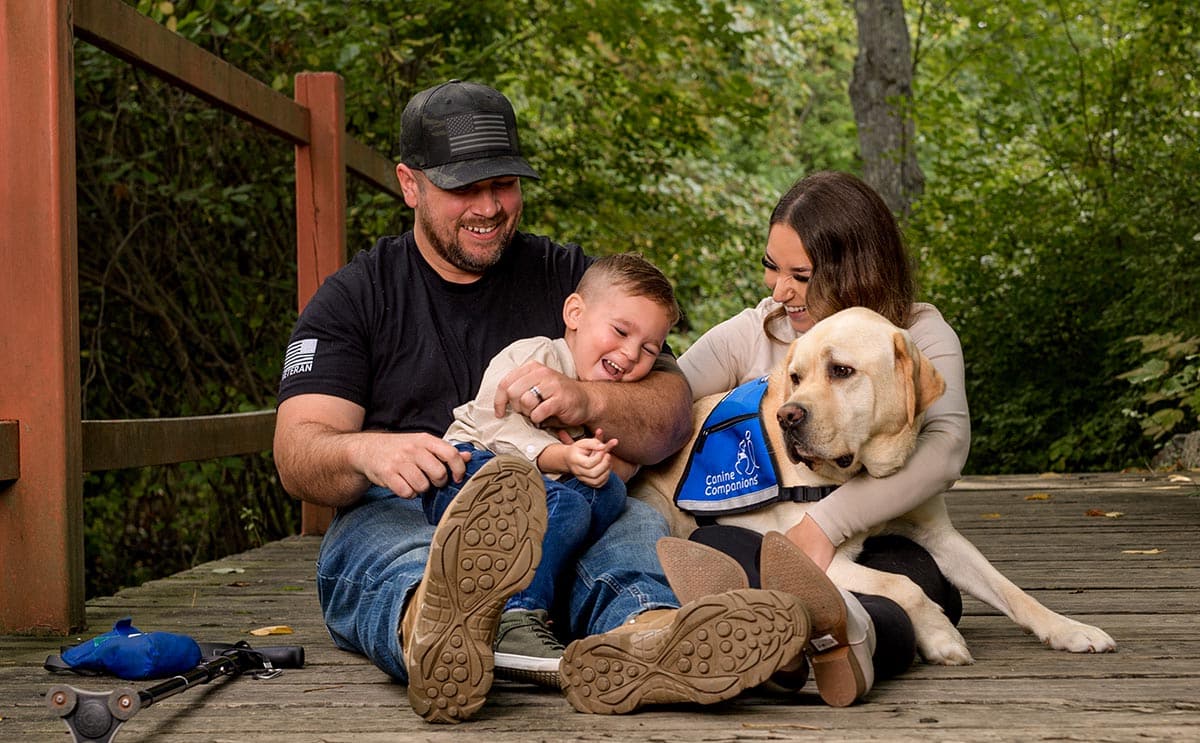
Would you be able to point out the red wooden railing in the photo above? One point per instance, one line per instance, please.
(45, 447)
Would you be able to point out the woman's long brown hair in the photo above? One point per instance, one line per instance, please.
(857, 252)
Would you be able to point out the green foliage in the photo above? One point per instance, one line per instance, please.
(187, 290)
(1169, 382)
(671, 128)
(1059, 142)
(145, 523)
(667, 127)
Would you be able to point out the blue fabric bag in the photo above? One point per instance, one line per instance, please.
(131, 654)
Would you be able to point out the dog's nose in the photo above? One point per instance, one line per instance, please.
(790, 414)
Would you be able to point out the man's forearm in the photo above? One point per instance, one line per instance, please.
(314, 465)
(651, 418)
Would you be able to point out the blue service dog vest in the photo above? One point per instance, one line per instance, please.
(731, 467)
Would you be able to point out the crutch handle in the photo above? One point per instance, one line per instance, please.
(280, 656)
(283, 656)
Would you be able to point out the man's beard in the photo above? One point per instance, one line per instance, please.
(451, 251)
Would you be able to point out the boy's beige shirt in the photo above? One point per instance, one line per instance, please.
(475, 422)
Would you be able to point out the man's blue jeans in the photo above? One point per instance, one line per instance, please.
(374, 554)
(577, 514)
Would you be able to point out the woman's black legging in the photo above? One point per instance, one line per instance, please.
(895, 647)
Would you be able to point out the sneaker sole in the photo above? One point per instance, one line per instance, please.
(517, 668)
(715, 648)
(484, 550)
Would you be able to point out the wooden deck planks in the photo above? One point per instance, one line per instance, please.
(1016, 690)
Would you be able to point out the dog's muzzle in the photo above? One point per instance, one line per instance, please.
(793, 418)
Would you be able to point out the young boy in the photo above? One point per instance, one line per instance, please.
(616, 323)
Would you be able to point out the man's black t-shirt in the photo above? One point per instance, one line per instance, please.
(389, 334)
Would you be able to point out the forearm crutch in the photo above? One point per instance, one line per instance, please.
(96, 716)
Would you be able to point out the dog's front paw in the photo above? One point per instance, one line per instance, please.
(944, 646)
(1077, 637)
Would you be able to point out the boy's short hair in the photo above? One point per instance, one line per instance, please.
(635, 275)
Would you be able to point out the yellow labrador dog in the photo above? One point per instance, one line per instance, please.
(851, 396)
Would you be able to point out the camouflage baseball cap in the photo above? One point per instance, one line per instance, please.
(458, 133)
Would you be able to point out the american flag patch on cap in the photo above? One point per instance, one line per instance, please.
(475, 132)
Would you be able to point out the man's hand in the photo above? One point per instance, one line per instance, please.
(324, 457)
(652, 417)
(408, 463)
(543, 395)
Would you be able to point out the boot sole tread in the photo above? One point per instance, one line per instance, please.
(484, 550)
(716, 647)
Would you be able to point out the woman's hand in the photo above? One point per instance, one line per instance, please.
(808, 536)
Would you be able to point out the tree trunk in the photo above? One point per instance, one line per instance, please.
(881, 93)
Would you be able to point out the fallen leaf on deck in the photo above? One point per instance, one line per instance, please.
(990, 516)
(1155, 551)
(1106, 514)
(278, 629)
(1179, 478)
(227, 571)
(1038, 496)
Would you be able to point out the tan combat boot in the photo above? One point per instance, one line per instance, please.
(484, 550)
(708, 651)
(695, 570)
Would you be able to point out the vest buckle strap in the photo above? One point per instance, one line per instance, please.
(805, 493)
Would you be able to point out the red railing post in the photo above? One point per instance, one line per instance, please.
(320, 208)
(41, 512)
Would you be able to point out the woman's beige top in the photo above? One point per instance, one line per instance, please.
(738, 350)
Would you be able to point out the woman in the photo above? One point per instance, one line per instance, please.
(833, 244)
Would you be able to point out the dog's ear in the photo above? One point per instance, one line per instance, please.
(931, 382)
(923, 384)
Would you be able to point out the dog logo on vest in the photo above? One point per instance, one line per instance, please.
(746, 465)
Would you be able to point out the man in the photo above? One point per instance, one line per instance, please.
(382, 354)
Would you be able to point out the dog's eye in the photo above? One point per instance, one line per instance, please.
(795, 379)
(837, 371)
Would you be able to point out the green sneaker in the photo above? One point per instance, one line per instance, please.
(527, 649)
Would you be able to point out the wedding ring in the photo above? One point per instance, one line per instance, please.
(537, 393)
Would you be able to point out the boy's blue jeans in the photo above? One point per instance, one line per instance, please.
(374, 554)
(577, 514)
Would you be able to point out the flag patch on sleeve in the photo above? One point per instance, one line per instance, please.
(299, 357)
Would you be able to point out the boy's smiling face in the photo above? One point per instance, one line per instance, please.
(617, 336)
